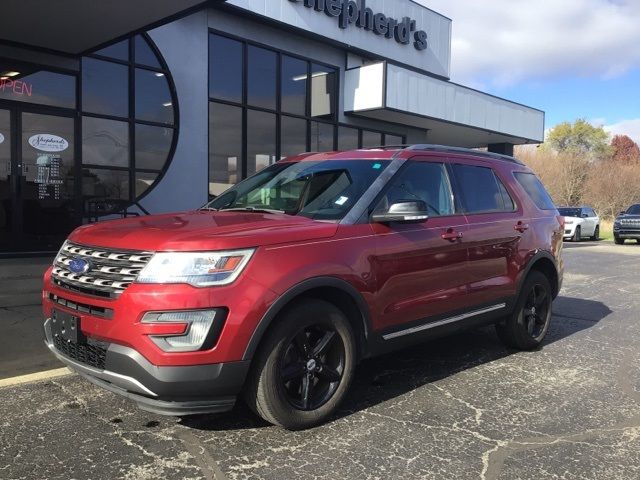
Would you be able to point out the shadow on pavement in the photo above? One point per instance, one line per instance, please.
(384, 378)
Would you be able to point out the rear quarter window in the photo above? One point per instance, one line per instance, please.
(534, 188)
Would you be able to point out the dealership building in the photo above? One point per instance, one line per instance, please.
(133, 108)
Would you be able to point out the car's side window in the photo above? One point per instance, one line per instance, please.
(426, 181)
(481, 190)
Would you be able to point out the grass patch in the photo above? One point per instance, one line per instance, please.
(606, 230)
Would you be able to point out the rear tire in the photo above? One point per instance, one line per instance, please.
(527, 326)
(304, 367)
(596, 234)
(577, 235)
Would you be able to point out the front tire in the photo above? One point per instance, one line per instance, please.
(527, 326)
(304, 367)
(618, 240)
(596, 234)
(577, 235)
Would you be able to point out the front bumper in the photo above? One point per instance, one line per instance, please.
(627, 233)
(166, 390)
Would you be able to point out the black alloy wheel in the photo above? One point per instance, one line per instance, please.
(304, 366)
(527, 326)
(312, 367)
(536, 311)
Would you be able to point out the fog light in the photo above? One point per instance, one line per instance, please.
(199, 323)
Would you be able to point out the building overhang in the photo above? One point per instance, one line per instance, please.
(453, 114)
(77, 26)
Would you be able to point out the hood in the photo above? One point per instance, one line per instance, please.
(628, 216)
(202, 231)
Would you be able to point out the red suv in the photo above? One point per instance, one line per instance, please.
(278, 287)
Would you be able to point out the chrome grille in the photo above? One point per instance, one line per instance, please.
(110, 274)
(630, 223)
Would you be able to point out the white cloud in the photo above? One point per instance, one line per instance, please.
(626, 127)
(506, 41)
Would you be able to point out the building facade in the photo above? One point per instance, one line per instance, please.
(161, 119)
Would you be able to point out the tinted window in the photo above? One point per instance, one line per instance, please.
(347, 138)
(323, 91)
(28, 84)
(225, 68)
(294, 85)
(321, 137)
(533, 186)
(105, 142)
(371, 139)
(634, 210)
(118, 50)
(570, 212)
(153, 98)
(480, 190)
(261, 78)
(424, 181)
(100, 186)
(225, 146)
(152, 146)
(293, 134)
(105, 87)
(261, 140)
(144, 55)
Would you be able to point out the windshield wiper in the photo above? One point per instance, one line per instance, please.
(252, 210)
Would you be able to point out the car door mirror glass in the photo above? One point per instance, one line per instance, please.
(413, 211)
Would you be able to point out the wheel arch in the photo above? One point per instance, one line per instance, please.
(543, 262)
(331, 289)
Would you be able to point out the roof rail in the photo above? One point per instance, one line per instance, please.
(466, 151)
(387, 147)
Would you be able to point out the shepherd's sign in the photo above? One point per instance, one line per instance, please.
(351, 13)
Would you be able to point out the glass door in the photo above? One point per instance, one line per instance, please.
(45, 195)
(6, 181)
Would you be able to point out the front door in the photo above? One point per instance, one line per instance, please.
(37, 162)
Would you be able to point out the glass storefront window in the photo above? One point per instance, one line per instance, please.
(225, 68)
(321, 137)
(261, 78)
(261, 140)
(293, 136)
(119, 51)
(144, 181)
(144, 55)
(371, 139)
(153, 98)
(105, 87)
(348, 138)
(152, 146)
(101, 186)
(105, 142)
(294, 85)
(30, 84)
(393, 139)
(225, 147)
(323, 91)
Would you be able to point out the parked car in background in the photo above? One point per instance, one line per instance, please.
(276, 289)
(627, 225)
(580, 223)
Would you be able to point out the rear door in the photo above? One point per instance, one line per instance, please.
(421, 268)
(495, 229)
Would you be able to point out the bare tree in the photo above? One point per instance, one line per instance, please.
(612, 187)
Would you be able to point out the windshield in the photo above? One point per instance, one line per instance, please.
(634, 210)
(570, 212)
(324, 190)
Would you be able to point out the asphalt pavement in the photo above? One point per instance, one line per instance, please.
(463, 407)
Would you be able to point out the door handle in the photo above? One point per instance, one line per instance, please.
(451, 235)
(521, 227)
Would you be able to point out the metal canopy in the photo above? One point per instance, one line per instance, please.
(76, 26)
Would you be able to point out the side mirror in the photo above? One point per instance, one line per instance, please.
(414, 211)
(623, 212)
(585, 215)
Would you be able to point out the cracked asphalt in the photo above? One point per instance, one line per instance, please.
(463, 407)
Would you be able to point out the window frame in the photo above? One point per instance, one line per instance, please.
(278, 111)
(497, 178)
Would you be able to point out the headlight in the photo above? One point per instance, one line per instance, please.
(200, 269)
(568, 222)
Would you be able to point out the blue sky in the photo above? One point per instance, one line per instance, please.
(571, 58)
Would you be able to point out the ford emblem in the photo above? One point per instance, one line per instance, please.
(79, 265)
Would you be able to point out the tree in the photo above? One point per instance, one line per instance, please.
(579, 138)
(611, 190)
(624, 150)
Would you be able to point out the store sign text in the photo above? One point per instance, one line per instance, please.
(350, 13)
(17, 87)
(48, 143)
